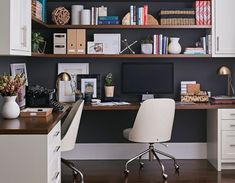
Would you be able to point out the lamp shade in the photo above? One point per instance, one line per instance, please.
(63, 76)
(223, 70)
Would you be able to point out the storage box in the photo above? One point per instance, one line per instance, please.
(201, 97)
(37, 112)
(59, 43)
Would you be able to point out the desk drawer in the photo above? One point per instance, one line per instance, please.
(228, 125)
(55, 134)
(228, 113)
(228, 145)
(54, 171)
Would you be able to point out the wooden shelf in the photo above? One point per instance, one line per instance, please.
(52, 26)
(119, 56)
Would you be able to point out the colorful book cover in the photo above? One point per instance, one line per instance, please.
(108, 18)
(205, 12)
(201, 12)
(209, 12)
(197, 12)
(145, 14)
(154, 43)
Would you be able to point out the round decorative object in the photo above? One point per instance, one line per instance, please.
(146, 48)
(60, 16)
(10, 109)
(174, 46)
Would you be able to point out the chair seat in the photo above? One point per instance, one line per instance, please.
(126, 133)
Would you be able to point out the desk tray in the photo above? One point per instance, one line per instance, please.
(36, 112)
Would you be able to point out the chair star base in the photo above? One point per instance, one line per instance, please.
(152, 151)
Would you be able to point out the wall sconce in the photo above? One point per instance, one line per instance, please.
(63, 76)
(225, 71)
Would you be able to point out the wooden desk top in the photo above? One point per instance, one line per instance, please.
(30, 125)
(135, 106)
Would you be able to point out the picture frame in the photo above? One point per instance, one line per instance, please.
(89, 83)
(95, 48)
(19, 68)
(66, 89)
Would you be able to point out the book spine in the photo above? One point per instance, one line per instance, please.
(142, 15)
(209, 42)
(96, 15)
(131, 15)
(200, 12)
(43, 11)
(108, 18)
(108, 22)
(160, 44)
(167, 45)
(205, 12)
(134, 15)
(145, 14)
(209, 12)
(157, 44)
(154, 43)
(92, 15)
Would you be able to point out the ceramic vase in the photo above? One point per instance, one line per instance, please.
(174, 46)
(146, 48)
(109, 91)
(10, 109)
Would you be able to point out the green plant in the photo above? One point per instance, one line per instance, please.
(37, 39)
(148, 40)
(109, 79)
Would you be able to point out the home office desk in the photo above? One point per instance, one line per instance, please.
(220, 129)
(30, 149)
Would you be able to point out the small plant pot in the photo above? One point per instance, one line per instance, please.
(35, 48)
(109, 91)
(146, 48)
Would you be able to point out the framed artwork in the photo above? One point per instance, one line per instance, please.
(66, 89)
(20, 68)
(89, 83)
(95, 48)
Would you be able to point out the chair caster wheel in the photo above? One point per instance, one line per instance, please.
(164, 176)
(177, 167)
(141, 164)
(126, 172)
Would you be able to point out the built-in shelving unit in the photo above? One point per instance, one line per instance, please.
(120, 56)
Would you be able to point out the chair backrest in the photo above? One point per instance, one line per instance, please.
(154, 121)
(70, 126)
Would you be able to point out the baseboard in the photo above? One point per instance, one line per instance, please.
(96, 151)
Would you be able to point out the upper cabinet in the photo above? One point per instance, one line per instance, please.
(15, 32)
(223, 28)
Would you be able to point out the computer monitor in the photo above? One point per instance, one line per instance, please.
(153, 78)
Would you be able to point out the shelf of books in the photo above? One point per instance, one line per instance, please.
(121, 55)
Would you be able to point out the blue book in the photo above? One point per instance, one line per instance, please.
(108, 18)
(108, 22)
(43, 10)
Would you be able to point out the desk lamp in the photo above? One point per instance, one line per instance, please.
(63, 76)
(225, 71)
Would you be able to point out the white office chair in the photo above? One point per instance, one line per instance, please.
(69, 130)
(153, 124)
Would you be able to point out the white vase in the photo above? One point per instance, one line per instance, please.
(146, 48)
(10, 109)
(174, 46)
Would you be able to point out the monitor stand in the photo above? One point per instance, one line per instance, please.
(147, 96)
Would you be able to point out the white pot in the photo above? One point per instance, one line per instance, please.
(109, 91)
(174, 46)
(146, 48)
(10, 109)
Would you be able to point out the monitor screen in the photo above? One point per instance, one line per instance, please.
(154, 78)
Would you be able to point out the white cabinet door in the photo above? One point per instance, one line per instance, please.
(224, 28)
(20, 26)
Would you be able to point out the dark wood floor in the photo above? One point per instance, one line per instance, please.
(191, 171)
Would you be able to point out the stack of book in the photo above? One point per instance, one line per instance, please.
(108, 20)
(205, 43)
(222, 100)
(139, 15)
(160, 44)
(38, 9)
(96, 12)
(194, 51)
(183, 86)
(177, 16)
(203, 12)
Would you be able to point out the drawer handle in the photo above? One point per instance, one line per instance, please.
(56, 133)
(232, 125)
(232, 114)
(57, 149)
(232, 145)
(56, 176)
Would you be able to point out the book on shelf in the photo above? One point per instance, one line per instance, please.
(222, 100)
(160, 44)
(108, 22)
(203, 12)
(138, 15)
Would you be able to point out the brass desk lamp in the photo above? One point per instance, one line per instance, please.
(225, 71)
(63, 76)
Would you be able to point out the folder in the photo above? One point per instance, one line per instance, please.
(81, 41)
(71, 41)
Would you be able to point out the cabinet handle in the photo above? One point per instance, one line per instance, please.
(24, 36)
(57, 148)
(217, 39)
(56, 133)
(232, 125)
(232, 145)
(232, 114)
(56, 176)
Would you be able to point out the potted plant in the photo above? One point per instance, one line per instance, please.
(147, 45)
(37, 39)
(109, 88)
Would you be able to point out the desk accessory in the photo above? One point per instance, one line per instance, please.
(225, 71)
(222, 100)
(60, 16)
(59, 43)
(76, 11)
(62, 77)
(128, 46)
(108, 86)
(36, 112)
(147, 45)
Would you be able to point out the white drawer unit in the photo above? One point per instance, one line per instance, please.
(39, 154)
(221, 138)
